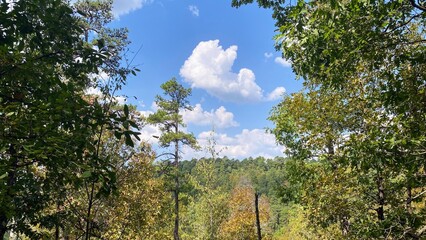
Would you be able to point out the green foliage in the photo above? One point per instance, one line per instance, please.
(43, 132)
(358, 125)
(168, 115)
(210, 183)
(207, 208)
(296, 227)
(125, 215)
(170, 120)
(51, 132)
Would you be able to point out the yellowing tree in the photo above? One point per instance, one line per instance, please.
(241, 222)
(140, 210)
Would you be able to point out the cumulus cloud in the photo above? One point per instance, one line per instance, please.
(283, 62)
(219, 118)
(248, 143)
(194, 10)
(210, 68)
(276, 94)
(149, 134)
(123, 7)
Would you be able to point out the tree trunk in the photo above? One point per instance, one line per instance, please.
(176, 195)
(277, 224)
(57, 232)
(57, 228)
(211, 223)
(256, 205)
(380, 199)
(89, 212)
(409, 199)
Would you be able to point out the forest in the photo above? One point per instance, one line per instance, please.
(73, 164)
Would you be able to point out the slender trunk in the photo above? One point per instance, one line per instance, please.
(256, 205)
(176, 195)
(409, 200)
(58, 208)
(380, 198)
(57, 232)
(330, 150)
(89, 212)
(211, 223)
(277, 225)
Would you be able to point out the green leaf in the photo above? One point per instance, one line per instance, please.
(129, 141)
(4, 175)
(126, 110)
(87, 174)
(118, 134)
(133, 124)
(101, 43)
(81, 13)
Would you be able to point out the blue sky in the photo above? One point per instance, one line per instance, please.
(225, 54)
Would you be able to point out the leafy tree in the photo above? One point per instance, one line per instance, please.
(90, 193)
(169, 119)
(94, 16)
(296, 227)
(125, 215)
(207, 209)
(317, 132)
(241, 221)
(49, 128)
(367, 57)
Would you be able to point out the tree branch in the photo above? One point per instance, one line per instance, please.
(414, 4)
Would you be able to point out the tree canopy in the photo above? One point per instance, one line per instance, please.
(360, 117)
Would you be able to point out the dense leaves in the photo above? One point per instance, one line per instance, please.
(356, 132)
(51, 131)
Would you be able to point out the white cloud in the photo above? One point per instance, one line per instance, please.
(93, 91)
(121, 100)
(248, 143)
(283, 62)
(268, 55)
(218, 118)
(101, 76)
(276, 94)
(149, 133)
(210, 68)
(194, 10)
(123, 7)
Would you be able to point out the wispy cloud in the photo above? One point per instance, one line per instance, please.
(268, 55)
(194, 10)
(123, 7)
